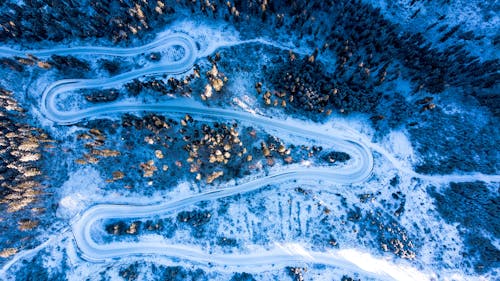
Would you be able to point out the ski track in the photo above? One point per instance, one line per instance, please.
(358, 169)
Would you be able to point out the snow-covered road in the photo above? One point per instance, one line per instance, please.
(162, 42)
(356, 170)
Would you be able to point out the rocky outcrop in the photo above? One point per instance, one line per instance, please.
(102, 96)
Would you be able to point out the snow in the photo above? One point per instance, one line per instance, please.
(474, 15)
(79, 191)
(209, 36)
(400, 146)
(369, 263)
(396, 156)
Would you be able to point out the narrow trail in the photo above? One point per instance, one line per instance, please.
(61, 234)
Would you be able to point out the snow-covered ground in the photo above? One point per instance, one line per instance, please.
(271, 237)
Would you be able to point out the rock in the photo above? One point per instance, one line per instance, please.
(102, 96)
(155, 56)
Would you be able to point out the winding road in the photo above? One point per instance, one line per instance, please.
(358, 169)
